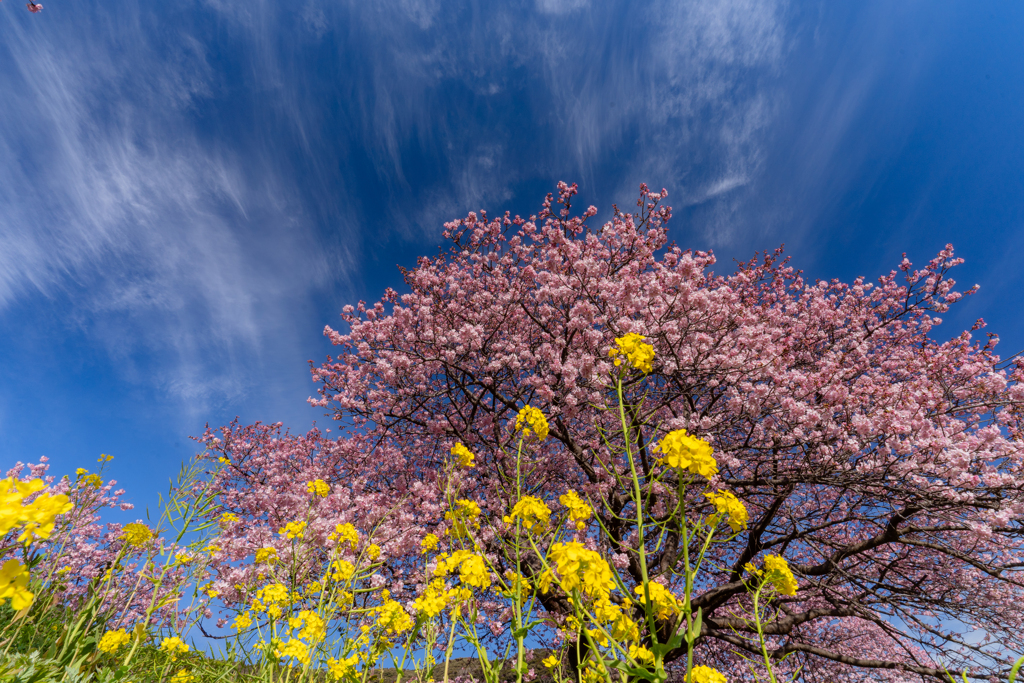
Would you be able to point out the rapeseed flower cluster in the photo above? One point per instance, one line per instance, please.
(342, 570)
(641, 654)
(464, 456)
(266, 555)
(466, 515)
(173, 646)
(518, 585)
(272, 598)
(136, 534)
(14, 585)
(472, 568)
(705, 674)
(112, 641)
(579, 569)
(531, 421)
(613, 615)
(309, 626)
(86, 479)
(779, 574)
(664, 604)
(429, 543)
(36, 518)
(579, 512)
(436, 598)
(293, 530)
(183, 676)
(531, 511)
(345, 533)
(634, 350)
(392, 617)
(293, 648)
(684, 451)
(728, 506)
(338, 669)
(318, 488)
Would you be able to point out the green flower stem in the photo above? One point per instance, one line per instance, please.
(637, 498)
(760, 631)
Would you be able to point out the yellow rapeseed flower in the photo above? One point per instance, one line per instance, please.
(183, 676)
(472, 568)
(393, 618)
(664, 604)
(343, 570)
(580, 568)
(93, 480)
(465, 516)
(641, 654)
(112, 641)
(518, 584)
(429, 543)
(274, 593)
(242, 621)
(531, 420)
(550, 662)
(635, 350)
(728, 506)
(319, 488)
(373, 551)
(434, 599)
(136, 535)
(13, 585)
(293, 648)
(345, 533)
(779, 575)
(293, 530)
(473, 571)
(579, 511)
(339, 669)
(531, 511)
(464, 455)
(684, 451)
(36, 519)
(314, 628)
(173, 646)
(705, 674)
(265, 555)
(614, 616)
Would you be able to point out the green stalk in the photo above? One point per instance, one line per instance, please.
(760, 632)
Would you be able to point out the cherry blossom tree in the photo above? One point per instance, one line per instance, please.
(883, 463)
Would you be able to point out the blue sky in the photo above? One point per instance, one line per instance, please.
(191, 190)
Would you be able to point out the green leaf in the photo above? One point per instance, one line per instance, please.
(634, 672)
(695, 627)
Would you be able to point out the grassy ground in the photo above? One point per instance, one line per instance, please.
(37, 668)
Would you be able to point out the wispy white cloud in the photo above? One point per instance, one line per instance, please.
(560, 6)
(160, 241)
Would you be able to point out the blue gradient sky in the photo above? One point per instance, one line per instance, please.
(191, 190)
